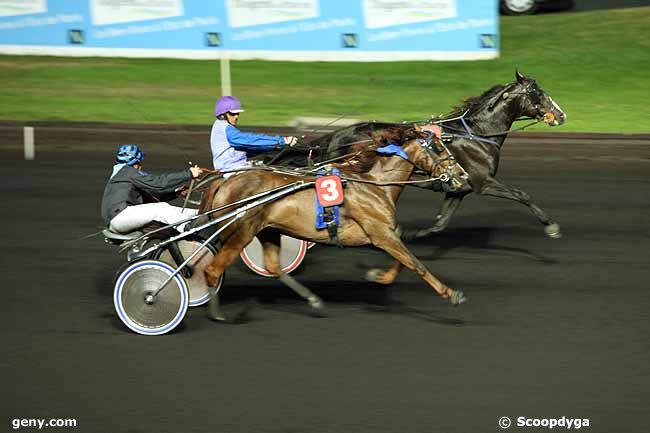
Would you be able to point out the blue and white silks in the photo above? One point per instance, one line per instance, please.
(228, 145)
(118, 167)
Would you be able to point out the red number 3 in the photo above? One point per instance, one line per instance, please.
(329, 190)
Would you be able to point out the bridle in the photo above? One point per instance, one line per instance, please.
(434, 147)
(535, 95)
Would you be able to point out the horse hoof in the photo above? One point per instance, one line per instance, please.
(317, 307)
(553, 231)
(373, 275)
(214, 310)
(376, 275)
(316, 303)
(457, 297)
(438, 228)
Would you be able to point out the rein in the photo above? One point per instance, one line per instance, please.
(341, 146)
(426, 144)
(309, 174)
(286, 149)
(443, 177)
(496, 134)
(469, 134)
(514, 130)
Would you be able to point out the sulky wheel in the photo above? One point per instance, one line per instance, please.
(198, 287)
(136, 307)
(292, 253)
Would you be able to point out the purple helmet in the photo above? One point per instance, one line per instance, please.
(227, 104)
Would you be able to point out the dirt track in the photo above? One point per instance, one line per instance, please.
(553, 328)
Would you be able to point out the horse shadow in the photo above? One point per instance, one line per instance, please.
(475, 239)
(241, 297)
(340, 296)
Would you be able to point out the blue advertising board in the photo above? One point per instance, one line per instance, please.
(303, 30)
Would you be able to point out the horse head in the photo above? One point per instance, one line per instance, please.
(430, 155)
(423, 150)
(534, 102)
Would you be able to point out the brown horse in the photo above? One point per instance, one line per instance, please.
(368, 216)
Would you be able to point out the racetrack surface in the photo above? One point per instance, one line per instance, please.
(552, 328)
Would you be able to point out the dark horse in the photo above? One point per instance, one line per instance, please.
(368, 216)
(477, 130)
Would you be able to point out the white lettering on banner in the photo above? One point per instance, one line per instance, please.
(106, 12)
(21, 7)
(42, 21)
(385, 13)
(243, 13)
(426, 30)
(163, 26)
(244, 35)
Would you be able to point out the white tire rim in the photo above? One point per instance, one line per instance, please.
(121, 285)
(292, 254)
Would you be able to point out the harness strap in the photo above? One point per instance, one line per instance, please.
(467, 128)
(475, 138)
(328, 216)
(481, 137)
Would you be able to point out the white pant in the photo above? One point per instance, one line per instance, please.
(135, 217)
(235, 173)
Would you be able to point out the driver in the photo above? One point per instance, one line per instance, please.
(229, 144)
(132, 198)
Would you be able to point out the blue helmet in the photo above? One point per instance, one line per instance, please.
(129, 154)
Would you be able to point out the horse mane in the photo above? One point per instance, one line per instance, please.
(364, 155)
(473, 102)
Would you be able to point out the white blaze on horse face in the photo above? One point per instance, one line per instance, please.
(563, 115)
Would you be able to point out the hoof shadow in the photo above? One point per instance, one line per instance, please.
(416, 313)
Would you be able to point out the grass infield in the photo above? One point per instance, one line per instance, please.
(594, 64)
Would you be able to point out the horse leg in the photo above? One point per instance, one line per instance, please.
(388, 241)
(227, 254)
(497, 189)
(447, 210)
(270, 240)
